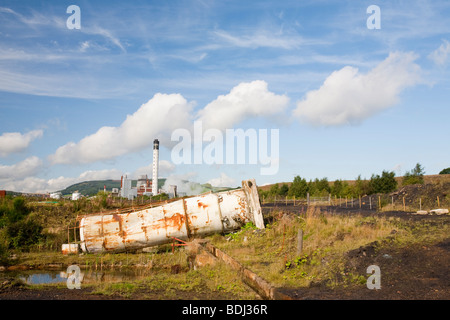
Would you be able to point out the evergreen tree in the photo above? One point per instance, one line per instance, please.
(384, 184)
(284, 190)
(299, 188)
(415, 176)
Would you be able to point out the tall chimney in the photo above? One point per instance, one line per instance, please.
(155, 166)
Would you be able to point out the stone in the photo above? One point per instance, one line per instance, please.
(204, 259)
(439, 211)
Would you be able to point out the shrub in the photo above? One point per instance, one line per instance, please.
(414, 176)
(4, 254)
(299, 188)
(23, 234)
(384, 184)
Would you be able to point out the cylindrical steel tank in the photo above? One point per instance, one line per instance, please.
(183, 219)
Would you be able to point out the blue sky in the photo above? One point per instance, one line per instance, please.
(86, 104)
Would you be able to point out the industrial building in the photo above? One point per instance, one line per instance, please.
(145, 186)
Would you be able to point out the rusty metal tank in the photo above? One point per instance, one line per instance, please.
(184, 219)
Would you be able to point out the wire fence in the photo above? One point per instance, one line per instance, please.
(378, 202)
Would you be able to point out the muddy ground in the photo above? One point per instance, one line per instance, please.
(411, 273)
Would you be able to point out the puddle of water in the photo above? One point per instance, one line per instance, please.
(86, 276)
(42, 278)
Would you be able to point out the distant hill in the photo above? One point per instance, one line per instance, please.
(91, 188)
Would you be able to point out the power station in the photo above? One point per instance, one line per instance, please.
(144, 185)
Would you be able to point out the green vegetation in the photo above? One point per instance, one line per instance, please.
(415, 176)
(299, 188)
(31, 234)
(383, 184)
(273, 253)
(18, 229)
(445, 171)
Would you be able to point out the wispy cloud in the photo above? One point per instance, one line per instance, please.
(36, 18)
(264, 39)
(440, 55)
(96, 30)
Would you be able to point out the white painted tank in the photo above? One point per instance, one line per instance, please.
(183, 219)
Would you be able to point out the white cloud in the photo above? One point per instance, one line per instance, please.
(261, 39)
(21, 169)
(223, 181)
(246, 100)
(104, 33)
(12, 142)
(165, 167)
(440, 55)
(155, 119)
(99, 175)
(164, 113)
(40, 185)
(348, 96)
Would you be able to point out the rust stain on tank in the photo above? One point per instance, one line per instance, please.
(118, 218)
(202, 205)
(176, 221)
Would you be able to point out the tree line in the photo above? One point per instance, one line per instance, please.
(384, 183)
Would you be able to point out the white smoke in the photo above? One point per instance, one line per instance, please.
(184, 185)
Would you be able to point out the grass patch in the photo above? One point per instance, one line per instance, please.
(273, 254)
(209, 282)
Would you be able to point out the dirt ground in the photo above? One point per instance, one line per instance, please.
(419, 273)
(410, 273)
